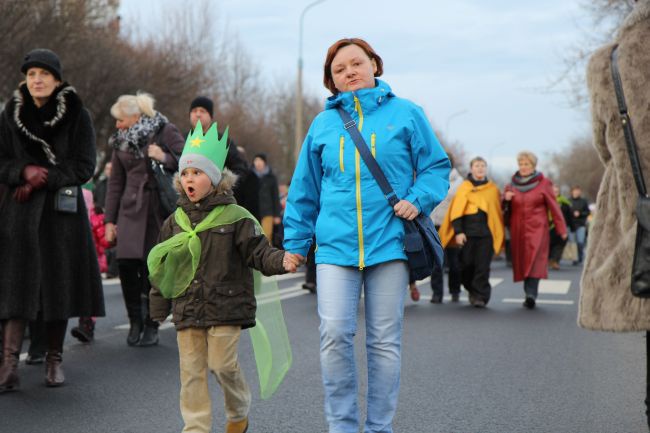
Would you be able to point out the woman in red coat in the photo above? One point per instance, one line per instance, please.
(527, 202)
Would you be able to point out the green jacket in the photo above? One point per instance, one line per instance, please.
(222, 292)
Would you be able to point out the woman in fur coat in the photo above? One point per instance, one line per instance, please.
(47, 260)
(606, 302)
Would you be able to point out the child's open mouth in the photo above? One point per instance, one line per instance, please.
(190, 190)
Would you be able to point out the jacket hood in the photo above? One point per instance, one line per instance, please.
(369, 98)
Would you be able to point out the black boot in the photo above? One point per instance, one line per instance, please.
(150, 335)
(85, 331)
(37, 341)
(53, 358)
(13, 331)
(134, 332)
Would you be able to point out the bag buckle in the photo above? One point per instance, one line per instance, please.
(349, 124)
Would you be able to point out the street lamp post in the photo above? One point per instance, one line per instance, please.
(452, 116)
(299, 129)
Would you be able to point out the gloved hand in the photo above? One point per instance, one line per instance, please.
(35, 175)
(23, 192)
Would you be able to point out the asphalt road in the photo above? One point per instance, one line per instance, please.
(502, 369)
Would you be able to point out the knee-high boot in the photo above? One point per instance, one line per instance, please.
(13, 331)
(53, 359)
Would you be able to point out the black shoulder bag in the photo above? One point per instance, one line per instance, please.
(641, 263)
(167, 194)
(421, 242)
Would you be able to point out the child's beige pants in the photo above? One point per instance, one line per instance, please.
(212, 348)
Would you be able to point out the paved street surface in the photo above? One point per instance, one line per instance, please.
(502, 369)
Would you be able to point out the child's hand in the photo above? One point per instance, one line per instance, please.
(292, 261)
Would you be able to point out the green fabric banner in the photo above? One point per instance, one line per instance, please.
(173, 264)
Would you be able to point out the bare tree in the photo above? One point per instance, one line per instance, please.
(578, 164)
(606, 17)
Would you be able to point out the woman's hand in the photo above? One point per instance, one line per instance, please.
(508, 195)
(460, 239)
(564, 237)
(405, 209)
(110, 232)
(155, 152)
(291, 261)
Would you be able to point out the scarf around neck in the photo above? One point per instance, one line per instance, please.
(135, 138)
(526, 183)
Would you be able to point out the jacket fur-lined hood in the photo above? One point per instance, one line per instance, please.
(25, 117)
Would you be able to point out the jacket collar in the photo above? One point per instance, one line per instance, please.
(370, 99)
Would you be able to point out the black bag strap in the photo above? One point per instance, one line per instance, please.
(351, 126)
(630, 141)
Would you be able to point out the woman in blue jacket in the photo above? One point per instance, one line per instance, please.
(360, 239)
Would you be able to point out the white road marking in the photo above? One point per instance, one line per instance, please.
(554, 287)
(539, 301)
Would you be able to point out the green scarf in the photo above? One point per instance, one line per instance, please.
(173, 264)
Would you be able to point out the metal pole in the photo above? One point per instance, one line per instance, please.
(299, 132)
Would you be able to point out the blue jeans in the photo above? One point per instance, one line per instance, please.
(339, 290)
(578, 236)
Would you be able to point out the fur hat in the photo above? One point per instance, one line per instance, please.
(42, 58)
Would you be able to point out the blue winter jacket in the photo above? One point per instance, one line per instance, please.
(334, 196)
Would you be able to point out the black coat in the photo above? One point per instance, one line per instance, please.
(269, 195)
(47, 258)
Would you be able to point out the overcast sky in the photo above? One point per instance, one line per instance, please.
(480, 69)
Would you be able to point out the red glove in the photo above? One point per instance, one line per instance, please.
(22, 193)
(35, 175)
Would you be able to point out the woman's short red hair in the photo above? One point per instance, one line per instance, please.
(328, 81)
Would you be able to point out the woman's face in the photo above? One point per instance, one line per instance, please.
(526, 167)
(352, 69)
(127, 121)
(478, 170)
(40, 84)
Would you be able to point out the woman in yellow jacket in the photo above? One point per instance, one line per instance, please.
(475, 223)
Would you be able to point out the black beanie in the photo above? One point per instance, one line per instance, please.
(42, 58)
(203, 102)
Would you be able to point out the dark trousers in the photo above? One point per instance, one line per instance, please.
(475, 259)
(134, 278)
(37, 337)
(452, 259)
(531, 287)
(556, 246)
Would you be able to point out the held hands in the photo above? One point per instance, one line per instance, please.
(292, 261)
(110, 232)
(508, 195)
(460, 239)
(155, 152)
(405, 209)
(22, 193)
(35, 175)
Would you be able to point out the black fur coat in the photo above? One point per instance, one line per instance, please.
(47, 258)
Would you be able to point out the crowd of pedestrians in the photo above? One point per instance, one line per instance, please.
(334, 218)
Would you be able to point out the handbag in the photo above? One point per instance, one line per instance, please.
(641, 263)
(167, 194)
(422, 244)
(65, 199)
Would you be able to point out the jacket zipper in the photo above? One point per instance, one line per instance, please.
(357, 161)
(342, 147)
(372, 145)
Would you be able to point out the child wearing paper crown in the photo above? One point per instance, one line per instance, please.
(201, 272)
